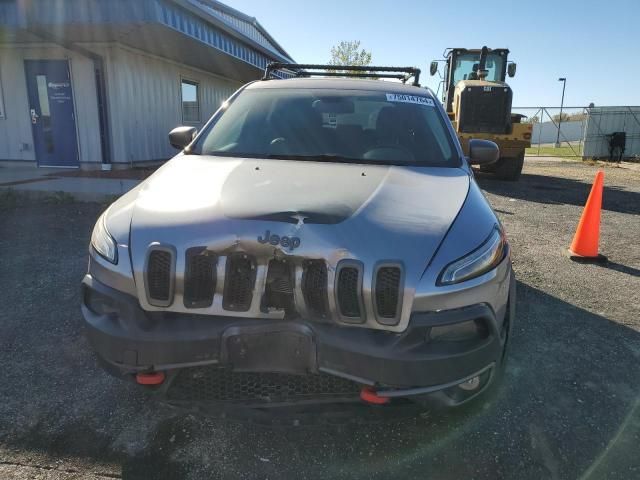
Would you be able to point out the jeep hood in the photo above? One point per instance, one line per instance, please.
(372, 213)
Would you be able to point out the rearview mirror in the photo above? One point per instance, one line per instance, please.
(334, 105)
(180, 137)
(511, 69)
(433, 68)
(483, 152)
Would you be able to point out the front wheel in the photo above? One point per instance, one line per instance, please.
(509, 168)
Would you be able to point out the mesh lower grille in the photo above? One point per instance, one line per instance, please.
(159, 275)
(348, 296)
(314, 287)
(217, 384)
(387, 291)
(200, 278)
(239, 280)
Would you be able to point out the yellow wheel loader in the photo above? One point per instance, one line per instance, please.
(478, 102)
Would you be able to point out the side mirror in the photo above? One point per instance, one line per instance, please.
(483, 152)
(180, 137)
(433, 68)
(511, 70)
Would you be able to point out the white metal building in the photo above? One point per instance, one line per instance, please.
(93, 82)
(601, 122)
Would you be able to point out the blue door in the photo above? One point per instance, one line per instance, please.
(51, 110)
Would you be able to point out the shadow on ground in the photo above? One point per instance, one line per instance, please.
(568, 407)
(560, 190)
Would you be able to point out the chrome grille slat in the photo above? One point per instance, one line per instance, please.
(282, 287)
(298, 294)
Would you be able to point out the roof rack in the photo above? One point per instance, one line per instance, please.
(303, 70)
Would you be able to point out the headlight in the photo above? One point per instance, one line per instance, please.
(103, 242)
(484, 258)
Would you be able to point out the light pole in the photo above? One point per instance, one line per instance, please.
(564, 84)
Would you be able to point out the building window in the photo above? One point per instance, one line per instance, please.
(190, 102)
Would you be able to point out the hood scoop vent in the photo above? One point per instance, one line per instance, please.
(297, 218)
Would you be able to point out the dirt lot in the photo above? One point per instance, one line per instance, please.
(568, 407)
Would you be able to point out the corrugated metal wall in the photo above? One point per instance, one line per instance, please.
(145, 102)
(15, 127)
(603, 121)
(144, 95)
(174, 17)
(239, 24)
(9, 14)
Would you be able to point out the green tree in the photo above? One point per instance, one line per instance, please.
(349, 53)
(565, 117)
(577, 117)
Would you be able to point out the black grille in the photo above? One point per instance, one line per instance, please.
(199, 278)
(486, 111)
(216, 384)
(388, 291)
(239, 280)
(348, 292)
(314, 287)
(278, 292)
(159, 271)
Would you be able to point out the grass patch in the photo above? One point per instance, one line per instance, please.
(59, 198)
(110, 199)
(564, 151)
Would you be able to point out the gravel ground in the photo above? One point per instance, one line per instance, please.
(568, 407)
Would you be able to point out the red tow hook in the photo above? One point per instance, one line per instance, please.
(369, 395)
(150, 378)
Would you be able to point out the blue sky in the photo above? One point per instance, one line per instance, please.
(548, 39)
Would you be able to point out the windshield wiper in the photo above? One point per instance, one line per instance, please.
(325, 157)
(316, 158)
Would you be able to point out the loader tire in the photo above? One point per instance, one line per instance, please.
(490, 168)
(509, 168)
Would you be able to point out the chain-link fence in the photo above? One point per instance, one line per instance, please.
(583, 132)
(555, 133)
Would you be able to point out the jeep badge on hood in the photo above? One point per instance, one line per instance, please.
(285, 242)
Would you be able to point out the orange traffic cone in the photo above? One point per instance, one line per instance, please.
(585, 241)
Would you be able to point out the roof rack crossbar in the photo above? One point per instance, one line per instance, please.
(399, 76)
(302, 70)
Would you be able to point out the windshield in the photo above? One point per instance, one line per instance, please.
(467, 65)
(333, 125)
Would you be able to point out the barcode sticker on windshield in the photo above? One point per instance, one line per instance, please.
(398, 97)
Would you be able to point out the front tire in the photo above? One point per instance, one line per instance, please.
(509, 168)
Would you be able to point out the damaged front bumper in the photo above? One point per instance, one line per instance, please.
(438, 354)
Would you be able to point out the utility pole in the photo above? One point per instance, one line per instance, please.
(564, 84)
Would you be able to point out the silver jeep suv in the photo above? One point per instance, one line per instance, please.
(315, 226)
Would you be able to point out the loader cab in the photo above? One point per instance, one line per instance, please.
(478, 102)
(475, 95)
(464, 64)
